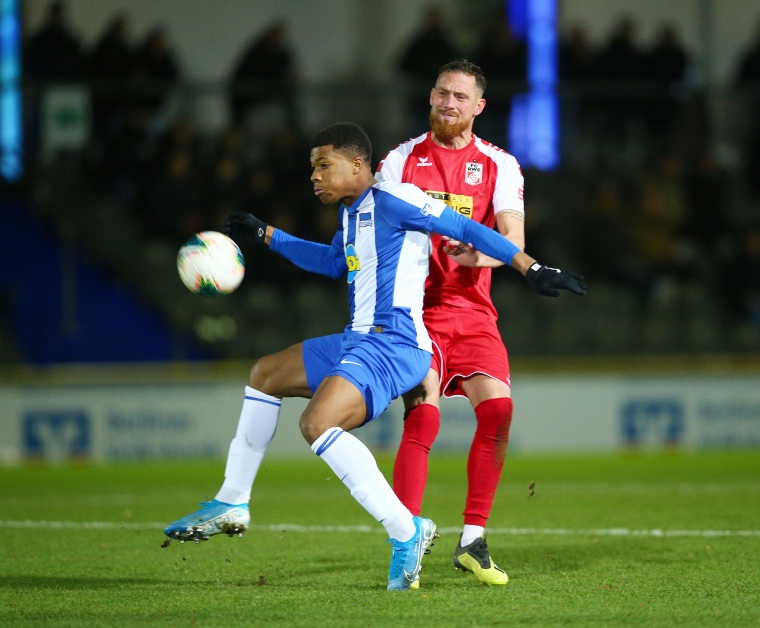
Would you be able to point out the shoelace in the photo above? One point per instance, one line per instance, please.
(479, 552)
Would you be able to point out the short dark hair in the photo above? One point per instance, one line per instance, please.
(465, 67)
(345, 137)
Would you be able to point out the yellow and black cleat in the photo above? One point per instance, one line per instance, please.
(475, 558)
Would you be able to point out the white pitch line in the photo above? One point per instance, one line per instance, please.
(290, 527)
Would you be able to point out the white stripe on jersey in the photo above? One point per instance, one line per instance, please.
(392, 165)
(510, 179)
(507, 191)
(413, 262)
(365, 288)
(388, 289)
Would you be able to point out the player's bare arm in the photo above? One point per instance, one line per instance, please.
(509, 223)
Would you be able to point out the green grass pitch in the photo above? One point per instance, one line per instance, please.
(669, 539)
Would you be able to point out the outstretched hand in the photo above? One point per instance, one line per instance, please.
(462, 253)
(549, 281)
(245, 228)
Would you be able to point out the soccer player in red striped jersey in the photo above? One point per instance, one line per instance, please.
(484, 183)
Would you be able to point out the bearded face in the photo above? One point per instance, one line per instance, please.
(445, 127)
(455, 101)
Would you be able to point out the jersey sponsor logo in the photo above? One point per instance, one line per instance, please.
(460, 203)
(473, 174)
(352, 262)
(365, 220)
(423, 161)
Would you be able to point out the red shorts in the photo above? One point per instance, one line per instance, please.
(465, 343)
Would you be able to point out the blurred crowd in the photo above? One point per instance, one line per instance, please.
(642, 198)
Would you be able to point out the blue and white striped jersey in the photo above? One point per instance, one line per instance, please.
(383, 248)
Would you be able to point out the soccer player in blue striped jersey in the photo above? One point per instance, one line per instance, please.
(382, 248)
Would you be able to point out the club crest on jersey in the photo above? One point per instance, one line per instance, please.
(473, 173)
(352, 262)
(365, 220)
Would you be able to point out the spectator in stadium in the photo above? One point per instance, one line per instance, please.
(156, 70)
(748, 70)
(266, 74)
(52, 55)
(609, 249)
(579, 68)
(54, 51)
(429, 48)
(752, 169)
(578, 59)
(658, 223)
(742, 282)
(668, 63)
(622, 61)
(382, 245)
(110, 65)
(748, 82)
(484, 183)
(504, 60)
(173, 203)
(707, 185)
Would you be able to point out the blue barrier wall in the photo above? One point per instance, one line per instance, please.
(61, 308)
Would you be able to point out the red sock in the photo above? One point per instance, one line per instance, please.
(486, 460)
(421, 425)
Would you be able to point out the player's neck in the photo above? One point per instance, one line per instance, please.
(454, 142)
(362, 186)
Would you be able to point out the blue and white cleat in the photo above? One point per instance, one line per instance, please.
(406, 560)
(214, 518)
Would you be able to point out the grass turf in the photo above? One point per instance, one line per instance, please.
(81, 545)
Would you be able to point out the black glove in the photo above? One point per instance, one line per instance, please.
(245, 228)
(549, 281)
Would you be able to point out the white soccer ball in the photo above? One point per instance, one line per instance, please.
(210, 263)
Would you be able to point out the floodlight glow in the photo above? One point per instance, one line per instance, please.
(534, 121)
(10, 91)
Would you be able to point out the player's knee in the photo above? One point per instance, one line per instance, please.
(311, 430)
(494, 417)
(261, 376)
(426, 392)
(422, 423)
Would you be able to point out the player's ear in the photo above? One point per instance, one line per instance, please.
(432, 93)
(357, 165)
(480, 106)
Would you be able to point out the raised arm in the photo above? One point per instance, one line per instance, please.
(245, 228)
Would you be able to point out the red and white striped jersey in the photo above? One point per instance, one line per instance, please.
(478, 181)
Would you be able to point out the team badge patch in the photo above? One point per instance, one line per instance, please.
(365, 220)
(473, 173)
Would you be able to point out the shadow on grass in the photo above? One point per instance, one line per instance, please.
(568, 556)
